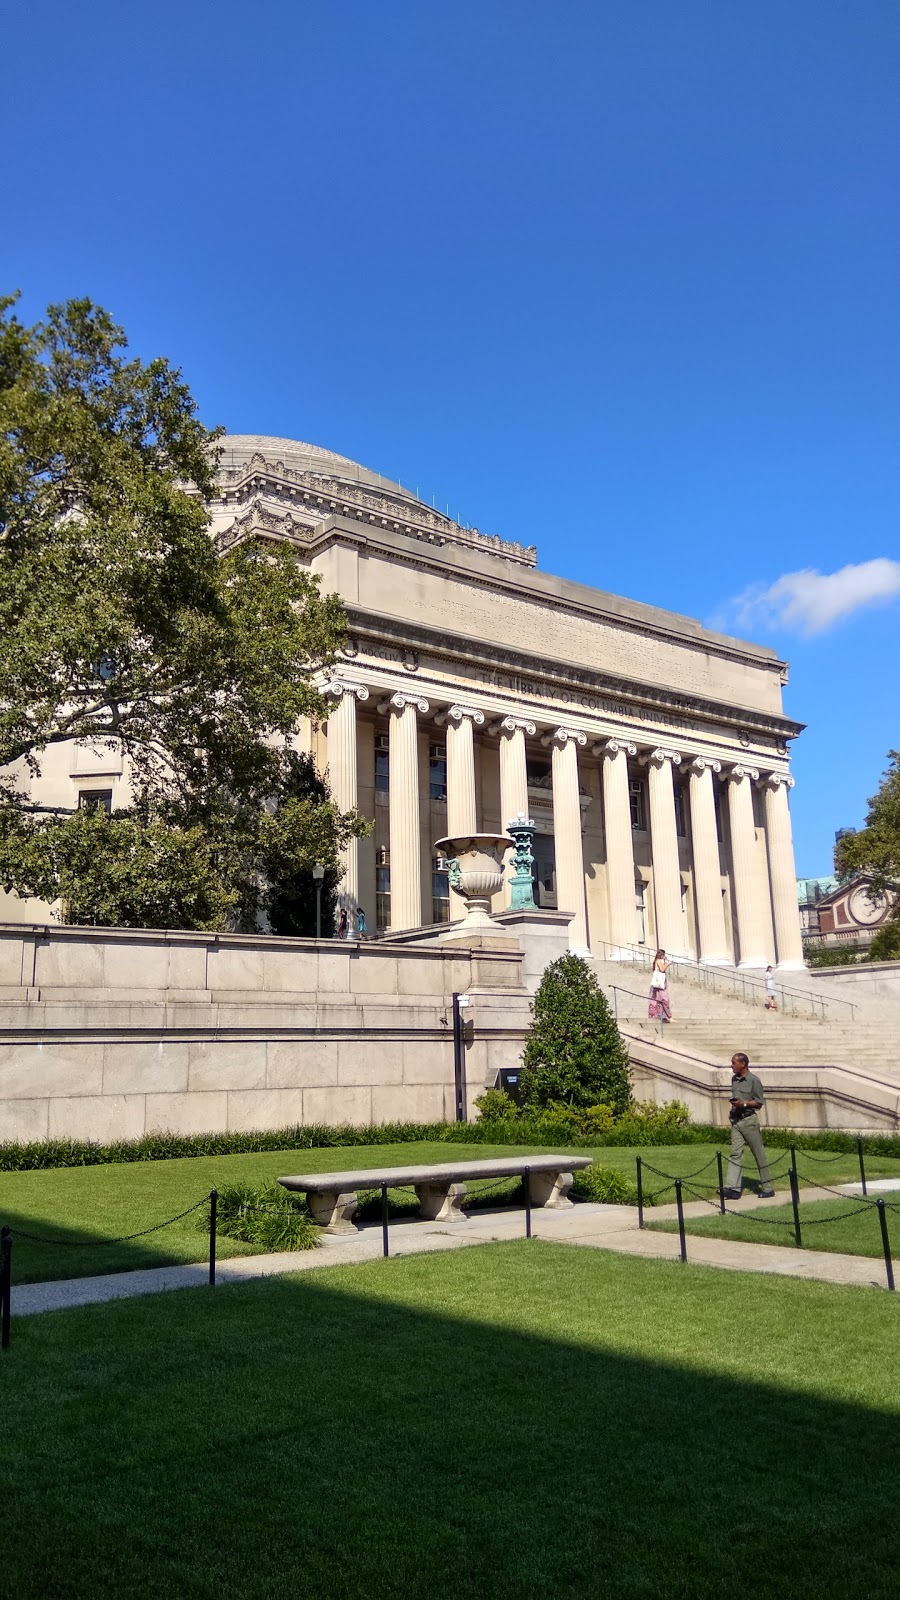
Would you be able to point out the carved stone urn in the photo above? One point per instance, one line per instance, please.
(475, 865)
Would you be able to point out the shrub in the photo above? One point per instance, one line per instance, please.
(269, 1216)
(605, 1185)
(885, 944)
(574, 1053)
(495, 1105)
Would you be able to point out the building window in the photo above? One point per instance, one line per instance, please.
(636, 801)
(680, 827)
(382, 890)
(540, 774)
(437, 777)
(440, 890)
(382, 763)
(95, 800)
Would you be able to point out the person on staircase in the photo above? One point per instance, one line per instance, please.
(747, 1100)
(659, 989)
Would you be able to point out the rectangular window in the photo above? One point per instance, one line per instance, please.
(440, 890)
(437, 776)
(636, 801)
(540, 773)
(95, 800)
(382, 763)
(382, 892)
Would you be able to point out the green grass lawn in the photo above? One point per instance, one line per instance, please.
(857, 1233)
(517, 1420)
(93, 1203)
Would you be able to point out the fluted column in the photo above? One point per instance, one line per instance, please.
(782, 872)
(403, 798)
(748, 881)
(619, 841)
(342, 773)
(664, 848)
(513, 779)
(570, 891)
(461, 809)
(711, 933)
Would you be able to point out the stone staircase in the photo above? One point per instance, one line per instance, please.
(715, 1014)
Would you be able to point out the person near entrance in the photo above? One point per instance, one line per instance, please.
(747, 1100)
(659, 989)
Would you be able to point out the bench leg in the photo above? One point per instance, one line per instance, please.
(551, 1190)
(334, 1211)
(441, 1202)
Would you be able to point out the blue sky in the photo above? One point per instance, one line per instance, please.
(617, 279)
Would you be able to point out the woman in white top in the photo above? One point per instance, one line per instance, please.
(659, 988)
(771, 1002)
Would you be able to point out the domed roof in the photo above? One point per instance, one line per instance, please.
(239, 448)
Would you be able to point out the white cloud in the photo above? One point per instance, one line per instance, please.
(810, 602)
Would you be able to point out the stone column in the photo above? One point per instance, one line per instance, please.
(513, 779)
(711, 933)
(403, 798)
(782, 872)
(664, 849)
(570, 891)
(749, 888)
(619, 841)
(462, 814)
(342, 772)
(461, 722)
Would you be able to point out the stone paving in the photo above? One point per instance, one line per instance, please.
(600, 1227)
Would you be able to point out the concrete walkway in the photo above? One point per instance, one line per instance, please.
(598, 1227)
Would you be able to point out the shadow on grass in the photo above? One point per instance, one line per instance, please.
(44, 1250)
(385, 1431)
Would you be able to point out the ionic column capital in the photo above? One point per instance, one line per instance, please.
(336, 688)
(399, 702)
(700, 764)
(658, 758)
(739, 772)
(776, 780)
(563, 736)
(510, 725)
(611, 747)
(460, 714)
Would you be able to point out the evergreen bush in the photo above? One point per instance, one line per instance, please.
(266, 1215)
(574, 1053)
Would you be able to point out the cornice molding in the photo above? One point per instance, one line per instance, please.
(632, 692)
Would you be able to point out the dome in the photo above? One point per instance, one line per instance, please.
(240, 448)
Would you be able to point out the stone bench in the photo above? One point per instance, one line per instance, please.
(440, 1189)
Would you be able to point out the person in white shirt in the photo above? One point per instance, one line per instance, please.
(659, 988)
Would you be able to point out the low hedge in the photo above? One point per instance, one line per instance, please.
(30, 1157)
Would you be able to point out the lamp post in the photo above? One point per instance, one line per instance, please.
(318, 873)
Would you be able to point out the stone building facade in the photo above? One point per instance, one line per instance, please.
(652, 753)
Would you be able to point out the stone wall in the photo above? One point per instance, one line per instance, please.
(113, 1033)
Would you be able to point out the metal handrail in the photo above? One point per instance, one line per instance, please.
(716, 978)
(633, 994)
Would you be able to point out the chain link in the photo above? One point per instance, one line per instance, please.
(98, 1244)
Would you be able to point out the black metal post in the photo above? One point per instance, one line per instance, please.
(640, 1190)
(213, 1221)
(681, 1238)
(459, 1061)
(795, 1202)
(886, 1244)
(5, 1284)
(862, 1166)
(384, 1219)
(526, 1180)
(721, 1182)
(318, 910)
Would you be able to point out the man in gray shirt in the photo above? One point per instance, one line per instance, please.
(747, 1099)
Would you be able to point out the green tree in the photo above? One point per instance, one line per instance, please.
(875, 851)
(574, 1052)
(121, 626)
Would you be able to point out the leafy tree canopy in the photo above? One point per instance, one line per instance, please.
(121, 626)
(574, 1052)
(875, 850)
